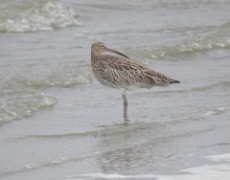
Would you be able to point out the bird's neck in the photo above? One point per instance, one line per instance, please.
(94, 56)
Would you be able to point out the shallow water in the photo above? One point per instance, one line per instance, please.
(58, 122)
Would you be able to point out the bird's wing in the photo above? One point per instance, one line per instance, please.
(128, 72)
(122, 64)
(140, 78)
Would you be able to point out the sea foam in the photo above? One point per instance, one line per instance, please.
(36, 16)
(204, 172)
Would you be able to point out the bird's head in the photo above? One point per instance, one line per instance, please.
(99, 48)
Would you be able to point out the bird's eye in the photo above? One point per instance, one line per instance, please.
(102, 46)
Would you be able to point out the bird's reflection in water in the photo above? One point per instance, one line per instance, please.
(126, 147)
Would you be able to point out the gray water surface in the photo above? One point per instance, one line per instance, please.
(58, 122)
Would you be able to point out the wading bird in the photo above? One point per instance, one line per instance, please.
(116, 70)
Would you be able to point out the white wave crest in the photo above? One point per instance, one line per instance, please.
(193, 46)
(207, 171)
(219, 42)
(221, 157)
(25, 106)
(210, 172)
(37, 16)
(20, 97)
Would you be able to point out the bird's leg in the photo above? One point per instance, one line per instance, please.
(125, 105)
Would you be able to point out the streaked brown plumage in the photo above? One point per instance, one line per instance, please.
(119, 71)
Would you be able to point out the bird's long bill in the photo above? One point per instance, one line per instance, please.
(111, 50)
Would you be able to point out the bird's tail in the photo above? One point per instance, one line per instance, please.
(174, 81)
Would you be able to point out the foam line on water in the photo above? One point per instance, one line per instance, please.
(206, 172)
(222, 157)
(203, 172)
(26, 106)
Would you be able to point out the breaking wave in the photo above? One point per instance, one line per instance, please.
(57, 79)
(218, 40)
(183, 48)
(192, 46)
(25, 106)
(20, 97)
(30, 16)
